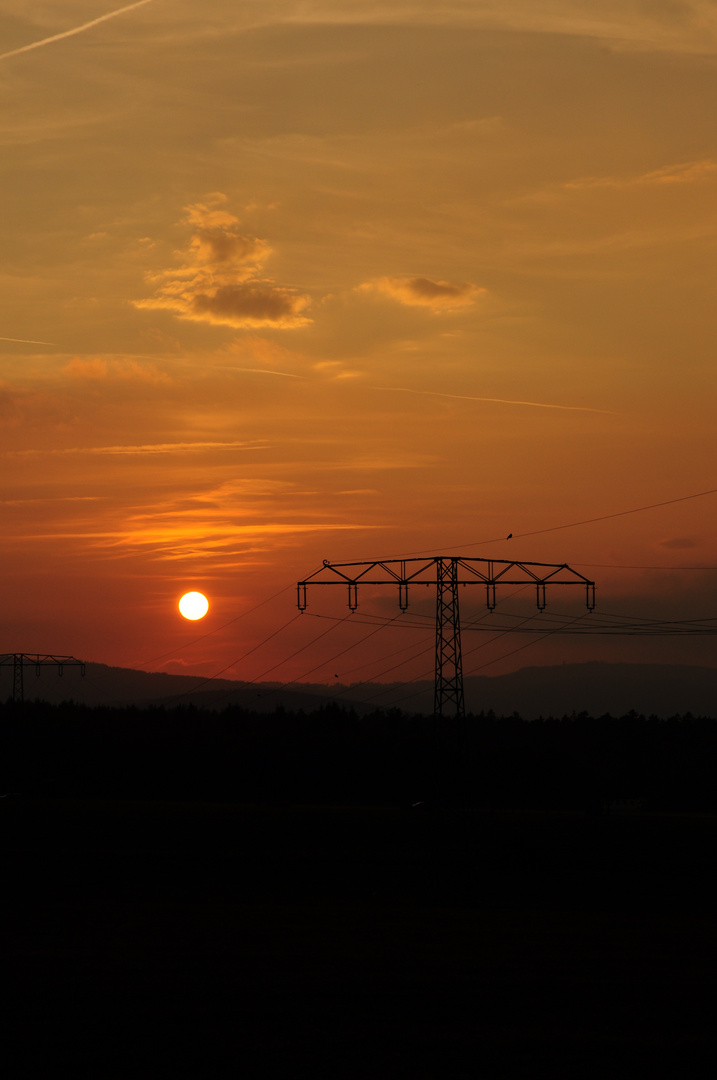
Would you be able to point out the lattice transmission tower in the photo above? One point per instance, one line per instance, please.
(19, 661)
(447, 573)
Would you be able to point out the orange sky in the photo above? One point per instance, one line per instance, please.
(288, 281)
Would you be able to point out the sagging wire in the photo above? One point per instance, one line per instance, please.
(255, 681)
(216, 629)
(525, 645)
(211, 678)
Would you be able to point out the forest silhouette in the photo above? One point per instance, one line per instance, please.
(203, 893)
(332, 756)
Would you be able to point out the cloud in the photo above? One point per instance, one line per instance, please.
(423, 292)
(689, 172)
(654, 25)
(128, 370)
(220, 280)
(76, 30)
(52, 499)
(8, 402)
(679, 543)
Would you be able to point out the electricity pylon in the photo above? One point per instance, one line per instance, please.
(446, 572)
(19, 661)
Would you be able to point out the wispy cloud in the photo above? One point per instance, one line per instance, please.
(424, 292)
(75, 30)
(167, 541)
(497, 401)
(96, 367)
(688, 172)
(672, 25)
(53, 499)
(221, 280)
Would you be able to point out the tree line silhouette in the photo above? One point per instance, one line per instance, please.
(333, 756)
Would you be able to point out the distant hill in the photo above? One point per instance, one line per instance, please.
(595, 687)
(104, 685)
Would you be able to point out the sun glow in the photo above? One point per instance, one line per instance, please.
(193, 605)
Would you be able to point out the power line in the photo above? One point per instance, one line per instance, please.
(211, 678)
(330, 660)
(283, 686)
(216, 629)
(572, 525)
(389, 656)
(629, 625)
(303, 647)
(348, 648)
(414, 656)
(483, 645)
(520, 648)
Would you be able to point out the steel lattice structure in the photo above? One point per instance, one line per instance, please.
(19, 661)
(447, 573)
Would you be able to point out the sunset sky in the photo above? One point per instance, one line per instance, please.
(293, 280)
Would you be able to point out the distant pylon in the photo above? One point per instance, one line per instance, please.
(446, 572)
(19, 661)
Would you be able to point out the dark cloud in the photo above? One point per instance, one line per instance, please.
(424, 292)
(220, 278)
(245, 304)
(217, 245)
(679, 543)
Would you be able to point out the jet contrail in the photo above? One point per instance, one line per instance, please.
(146, 448)
(263, 371)
(77, 30)
(495, 400)
(27, 341)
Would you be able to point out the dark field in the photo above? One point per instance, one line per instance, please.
(178, 939)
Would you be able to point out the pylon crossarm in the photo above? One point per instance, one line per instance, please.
(386, 572)
(39, 660)
(531, 570)
(447, 573)
(403, 572)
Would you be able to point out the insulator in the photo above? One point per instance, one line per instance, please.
(353, 595)
(541, 596)
(590, 590)
(490, 596)
(403, 595)
(301, 595)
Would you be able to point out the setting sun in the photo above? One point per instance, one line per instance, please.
(193, 605)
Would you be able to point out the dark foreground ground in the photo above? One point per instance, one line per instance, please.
(152, 940)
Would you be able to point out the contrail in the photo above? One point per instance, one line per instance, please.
(71, 33)
(495, 400)
(27, 341)
(263, 371)
(146, 448)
